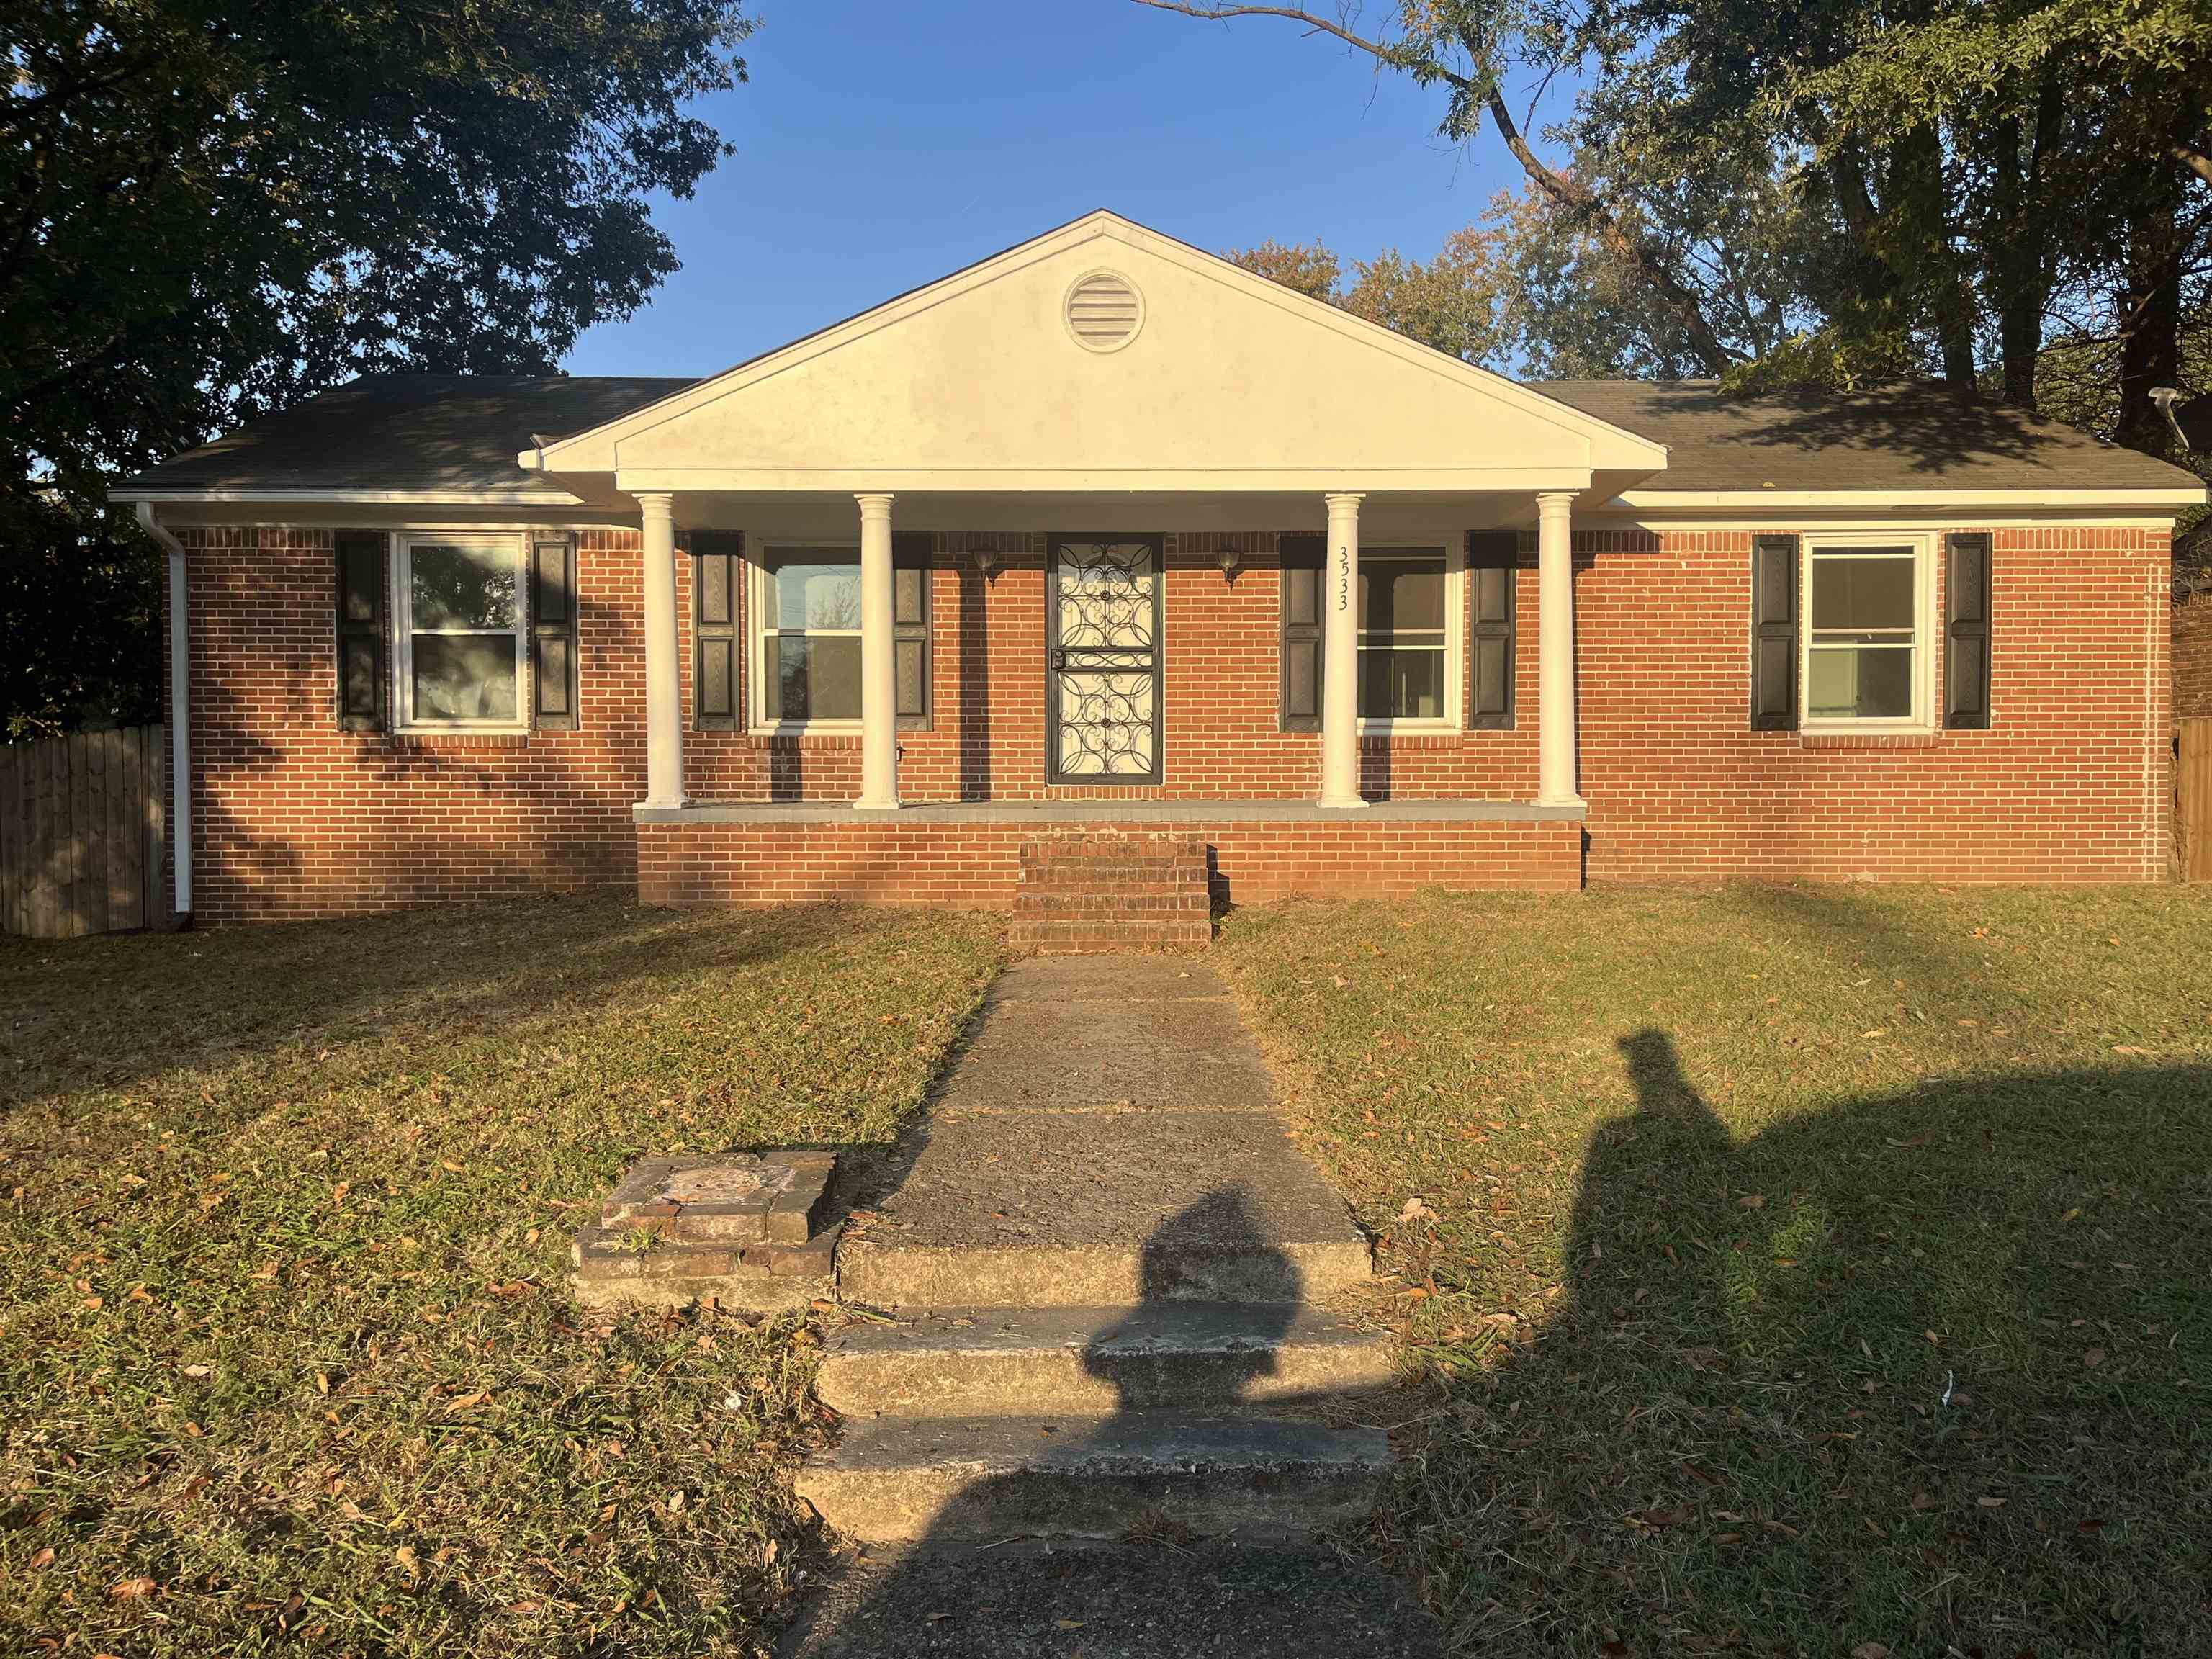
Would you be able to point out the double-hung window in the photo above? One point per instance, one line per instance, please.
(1866, 632)
(806, 645)
(1407, 639)
(461, 626)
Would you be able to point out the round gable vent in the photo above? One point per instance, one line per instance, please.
(1103, 311)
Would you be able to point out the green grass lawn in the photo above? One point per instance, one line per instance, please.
(1807, 1269)
(286, 1357)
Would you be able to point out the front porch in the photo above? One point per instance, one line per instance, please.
(1021, 694)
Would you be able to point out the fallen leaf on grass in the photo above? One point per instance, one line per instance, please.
(1870, 1650)
(45, 1557)
(1752, 1201)
(131, 1589)
(1417, 1209)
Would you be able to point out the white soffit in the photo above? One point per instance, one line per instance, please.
(1104, 355)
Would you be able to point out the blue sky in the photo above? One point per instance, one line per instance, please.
(882, 143)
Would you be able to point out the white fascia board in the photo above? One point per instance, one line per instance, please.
(1755, 501)
(358, 497)
(1051, 480)
(597, 449)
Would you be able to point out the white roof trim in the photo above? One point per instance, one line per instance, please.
(1647, 454)
(1757, 501)
(364, 497)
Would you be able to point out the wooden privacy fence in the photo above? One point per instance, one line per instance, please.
(2193, 796)
(83, 838)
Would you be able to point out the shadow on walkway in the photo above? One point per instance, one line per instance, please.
(981, 1583)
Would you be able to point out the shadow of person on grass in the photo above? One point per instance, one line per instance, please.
(1914, 1370)
(1011, 1563)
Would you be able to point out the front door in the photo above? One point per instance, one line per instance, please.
(1102, 659)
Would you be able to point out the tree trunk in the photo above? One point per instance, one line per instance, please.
(2151, 349)
(2020, 251)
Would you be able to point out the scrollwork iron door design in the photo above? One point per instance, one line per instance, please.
(1102, 618)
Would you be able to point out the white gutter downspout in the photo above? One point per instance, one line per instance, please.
(180, 715)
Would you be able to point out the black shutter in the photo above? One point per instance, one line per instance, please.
(553, 630)
(1493, 564)
(363, 637)
(716, 558)
(1302, 557)
(1774, 634)
(912, 552)
(1966, 654)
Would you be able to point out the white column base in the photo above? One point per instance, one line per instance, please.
(1343, 803)
(875, 806)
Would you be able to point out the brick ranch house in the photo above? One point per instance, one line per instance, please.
(1105, 537)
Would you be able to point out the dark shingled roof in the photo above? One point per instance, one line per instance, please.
(461, 432)
(1905, 437)
(458, 432)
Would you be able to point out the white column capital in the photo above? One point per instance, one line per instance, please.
(875, 504)
(1555, 503)
(656, 505)
(1342, 501)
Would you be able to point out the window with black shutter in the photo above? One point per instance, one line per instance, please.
(1966, 646)
(553, 674)
(1774, 634)
(912, 554)
(716, 555)
(1302, 557)
(361, 585)
(1494, 562)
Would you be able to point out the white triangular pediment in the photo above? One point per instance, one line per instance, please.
(1104, 355)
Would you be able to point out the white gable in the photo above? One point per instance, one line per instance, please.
(1104, 355)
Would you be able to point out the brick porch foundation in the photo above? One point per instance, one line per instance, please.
(977, 865)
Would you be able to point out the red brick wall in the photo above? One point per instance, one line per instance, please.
(292, 818)
(2069, 784)
(1221, 660)
(2193, 658)
(977, 865)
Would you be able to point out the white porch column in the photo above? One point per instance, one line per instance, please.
(878, 660)
(1555, 656)
(663, 690)
(1339, 669)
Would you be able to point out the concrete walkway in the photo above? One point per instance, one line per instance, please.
(1120, 1392)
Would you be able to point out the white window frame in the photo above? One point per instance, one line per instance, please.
(757, 632)
(1455, 717)
(1871, 540)
(403, 629)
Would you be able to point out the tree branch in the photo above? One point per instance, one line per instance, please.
(2192, 154)
(1584, 206)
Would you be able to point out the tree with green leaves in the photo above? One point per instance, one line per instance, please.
(208, 211)
(1839, 192)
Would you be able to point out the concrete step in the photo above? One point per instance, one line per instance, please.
(1197, 1356)
(1036, 1209)
(1142, 1600)
(897, 1479)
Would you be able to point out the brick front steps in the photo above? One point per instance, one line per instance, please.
(1087, 890)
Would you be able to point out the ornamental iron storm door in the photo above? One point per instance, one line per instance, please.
(1102, 621)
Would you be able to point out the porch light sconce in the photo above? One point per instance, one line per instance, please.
(989, 561)
(1232, 562)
